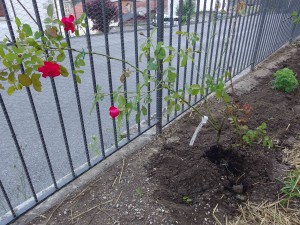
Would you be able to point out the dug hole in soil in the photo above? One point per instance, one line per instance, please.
(168, 182)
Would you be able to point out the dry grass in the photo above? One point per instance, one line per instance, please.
(270, 213)
(266, 214)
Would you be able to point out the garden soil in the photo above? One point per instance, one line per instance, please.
(168, 182)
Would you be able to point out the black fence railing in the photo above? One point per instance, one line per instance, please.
(50, 138)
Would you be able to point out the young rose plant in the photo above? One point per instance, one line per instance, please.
(36, 53)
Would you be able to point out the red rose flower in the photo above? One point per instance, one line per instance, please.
(49, 69)
(68, 23)
(113, 112)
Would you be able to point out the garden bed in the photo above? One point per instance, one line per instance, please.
(169, 182)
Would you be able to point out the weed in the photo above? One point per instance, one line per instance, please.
(291, 188)
(187, 200)
(285, 80)
(139, 192)
(93, 146)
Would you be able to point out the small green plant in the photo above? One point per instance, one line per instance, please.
(139, 192)
(258, 136)
(93, 146)
(187, 200)
(285, 80)
(291, 188)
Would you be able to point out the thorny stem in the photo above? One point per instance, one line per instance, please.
(100, 54)
(220, 130)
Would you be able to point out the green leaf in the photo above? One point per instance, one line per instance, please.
(37, 34)
(144, 110)
(226, 98)
(18, 22)
(2, 53)
(77, 32)
(36, 82)
(227, 75)
(63, 45)
(151, 65)
(11, 90)
(47, 20)
(78, 80)
(183, 61)
(25, 80)
(63, 71)
(177, 107)
(50, 10)
(10, 57)
(138, 117)
(3, 78)
(11, 78)
(172, 76)
(61, 57)
(121, 101)
(27, 29)
(28, 70)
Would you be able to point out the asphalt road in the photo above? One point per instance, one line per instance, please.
(21, 115)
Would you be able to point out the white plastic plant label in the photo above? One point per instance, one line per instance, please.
(203, 121)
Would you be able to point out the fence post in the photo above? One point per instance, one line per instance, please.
(160, 37)
(261, 26)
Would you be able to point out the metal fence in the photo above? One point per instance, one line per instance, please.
(66, 139)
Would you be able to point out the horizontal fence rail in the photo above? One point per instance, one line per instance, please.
(48, 139)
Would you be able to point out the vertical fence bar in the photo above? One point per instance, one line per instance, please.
(76, 88)
(238, 51)
(148, 59)
(265, 43)
(234, 35)
(109, 68)
(253, 35)
(194, 47)
(11, 31)
(200, 47)
(218, 42)
(7, 199)
(249, 30)
(170, 43)
(214, 21)
(35, 7)
(160, 38)
(136, 48)
(284, 32)
(178, 48)
(228, 42)
(206, 47)
(123, 61)
(88, 39)
(224, 42)
(13, 134)
(294, 27)
(186, 46)
(261, 26)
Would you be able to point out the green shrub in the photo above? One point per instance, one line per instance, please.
(285, 80)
